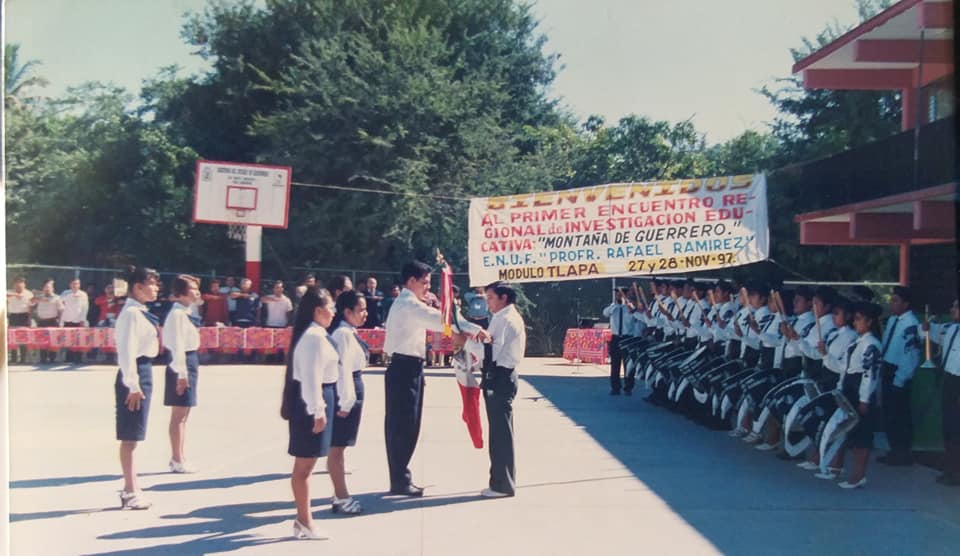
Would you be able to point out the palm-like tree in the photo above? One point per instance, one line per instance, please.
(18, 77)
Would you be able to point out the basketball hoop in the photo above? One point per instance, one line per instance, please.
(237, 232)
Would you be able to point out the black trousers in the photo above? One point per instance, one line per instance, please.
(897, 414)
(404, 410)
(73, 356)
(951, 425)
(499, 390)
(616, 363)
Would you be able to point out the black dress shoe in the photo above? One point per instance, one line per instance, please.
(411, 490)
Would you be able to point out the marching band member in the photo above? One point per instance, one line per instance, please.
(798, 332)
(834, 349)
(137, 340)
(758, 317)
(947, 336)
(901, 356)
(182, 340)
(690, 317)
(859, 383)
(823, 300)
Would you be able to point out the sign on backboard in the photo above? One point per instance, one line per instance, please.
(241, 194)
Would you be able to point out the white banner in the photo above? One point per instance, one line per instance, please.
(619, 229)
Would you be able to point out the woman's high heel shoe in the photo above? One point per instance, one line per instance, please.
(301, 531)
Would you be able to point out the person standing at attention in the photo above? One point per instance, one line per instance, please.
(182, 340)
(501, 359)
(354, 356)
(137, 341)
(309, 393)
(406, 329)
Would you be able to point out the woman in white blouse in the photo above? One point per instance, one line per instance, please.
(182, 340)
(308, 399)
(137, 340)
(353, 353)
(859, 385)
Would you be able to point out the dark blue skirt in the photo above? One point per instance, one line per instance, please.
(132, 425)
(189, 397)
(345, 429)
(303, 443)
(860, 436)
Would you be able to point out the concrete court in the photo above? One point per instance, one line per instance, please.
(597, 475)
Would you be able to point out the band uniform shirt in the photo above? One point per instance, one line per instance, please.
(901, 346)
(315, 363)
(75, 306)
(407, 325)
(136, 336)
(704, 326)
(726, 314)
(763, 316)
(180, 335)
(509, 338)
(947, 336)
(864, 359)
(810, 342)
(639, 323)
(19, 303)
(804, 325)
(838, 342)
(693, 312)
(352, 358)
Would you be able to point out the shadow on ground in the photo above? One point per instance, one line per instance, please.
(747, 502)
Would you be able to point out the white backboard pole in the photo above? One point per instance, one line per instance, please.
(254, 239)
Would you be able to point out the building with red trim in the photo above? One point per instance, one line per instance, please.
(900, 191)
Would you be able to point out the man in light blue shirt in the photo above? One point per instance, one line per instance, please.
(620, 314)
(901, 356)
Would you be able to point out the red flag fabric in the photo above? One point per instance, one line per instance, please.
(465, 363)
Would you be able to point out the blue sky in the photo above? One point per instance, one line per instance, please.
(666, 59)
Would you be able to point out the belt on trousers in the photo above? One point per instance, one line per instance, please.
(402, 357)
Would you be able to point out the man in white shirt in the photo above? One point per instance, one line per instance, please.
(501, 358)
(901, 357)
(947, 336)
(75, 306)
(620, 313)
(279, 307)
(19, 303)
(405, 344)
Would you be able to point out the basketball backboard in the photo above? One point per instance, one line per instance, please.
(241, 194)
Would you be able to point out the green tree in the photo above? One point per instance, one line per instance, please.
(19, 78)
(411, 97)
(812, 123)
